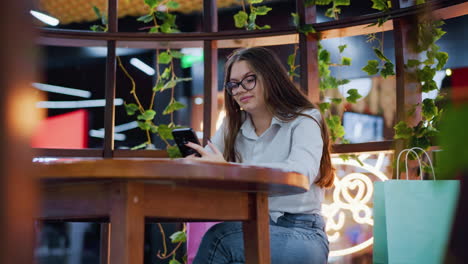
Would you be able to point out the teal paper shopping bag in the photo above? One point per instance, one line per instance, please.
(380, 255)
(412, 220)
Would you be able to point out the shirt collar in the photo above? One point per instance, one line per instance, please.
(248, 130)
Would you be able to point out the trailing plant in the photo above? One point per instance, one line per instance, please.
(178, 238)
(327, 81)
(167, 80)
(247, 18)
(383, 65)
(334, 11)
(423, 71)
(163, 21)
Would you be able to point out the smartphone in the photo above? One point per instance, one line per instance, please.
(181, 137)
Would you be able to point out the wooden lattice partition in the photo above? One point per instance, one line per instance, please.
(211, 40)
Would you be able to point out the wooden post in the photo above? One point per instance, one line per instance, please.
(408, 90)
(210, 61)
(18, 118)
(308, 49)
(111, 66)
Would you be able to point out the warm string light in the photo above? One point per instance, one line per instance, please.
(352, 193)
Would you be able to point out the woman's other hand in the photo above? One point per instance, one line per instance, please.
(214, 156)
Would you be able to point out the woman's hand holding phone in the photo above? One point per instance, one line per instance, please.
(214, 156)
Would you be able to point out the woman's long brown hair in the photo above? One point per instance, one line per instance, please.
(283, 99)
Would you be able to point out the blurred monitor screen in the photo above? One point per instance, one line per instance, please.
(361, 128)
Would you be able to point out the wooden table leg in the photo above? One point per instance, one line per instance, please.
(257, 231)
(127, 224)
(104, 245)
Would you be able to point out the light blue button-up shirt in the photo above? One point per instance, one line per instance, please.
(292, 146)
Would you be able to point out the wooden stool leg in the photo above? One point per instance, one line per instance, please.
(127, 224)
(257, 231)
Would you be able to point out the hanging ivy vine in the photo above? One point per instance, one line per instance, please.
(163, 22)
(424, 70)
(247, 18)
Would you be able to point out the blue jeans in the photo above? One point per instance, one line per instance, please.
(294, 239)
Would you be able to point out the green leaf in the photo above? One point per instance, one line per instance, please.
(336, 100)
(330, 12)
(154, 29)
(324, 56)
(425, 74)
(166, 28)
(323, 2)
(146, 18)
(380, 5)
(413, 63)
(442, 58)
(295, 17)
(264, 27)
(144, 125)
(402, 131)
(173, 152)
(174, 261)
(130, 108)
(372, 67)
(169, 84)
(429, 109)
(387, 69)
(428, 86)
(97, 11)
(343, 81)
(342, 2)
(177, 54)
(143, 145)
(342, 48)
(336, 129)
(164, 58)
(152, 3)
(172, 4)
(178, 236)
(346, 61)
(380, 55)
(154, 128)
(262, 10)
(147, 115)
(97, 28)
(240, 19)
(161, 15)
(307, 28)
(291, 59)
(353, 95)
(165, 132)
(173, 106)
(158, 87)
(166, 73)
(324, 106)
(255, 1)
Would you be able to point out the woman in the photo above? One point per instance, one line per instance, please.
(271, 123)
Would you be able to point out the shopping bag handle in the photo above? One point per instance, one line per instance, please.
(419, 162)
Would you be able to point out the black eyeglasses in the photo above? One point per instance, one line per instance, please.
(248, 83)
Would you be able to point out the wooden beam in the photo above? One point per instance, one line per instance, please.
(111, 66)
(308, 51)
(408, 90)
(210, 61)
